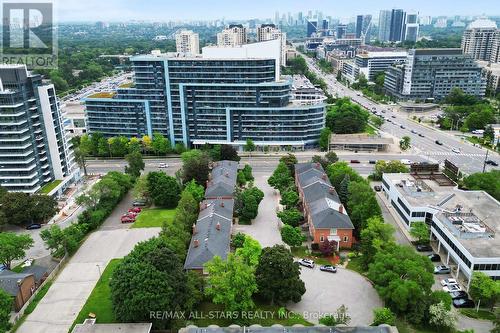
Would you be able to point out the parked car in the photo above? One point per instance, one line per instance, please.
(434, 257)
(421, 135)
(459, 294)
(135, 209)
(438, 142)
(456, 150)
(414, 132)
(132, 214)
(442, 269)
(393, 116)
(34, 226)
(355, 161)
(372, 162)
(405, 161)
(162, 165)
(3, 267)
(127, 219)
(306, 262)
(402, 126)
(383, 111)
(139, 203)
(328, 268)
(491, 162)
(463, 303)
(377, 188)
(423, 248)
(451, 288)
(446, 282)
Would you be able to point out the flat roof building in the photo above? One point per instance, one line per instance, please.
(463, 224)
(359, 142)
(89, 326)
(233, 35)
(267, 32)
(187, 41)
(481, 40)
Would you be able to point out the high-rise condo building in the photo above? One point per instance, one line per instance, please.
(34, 149)
(396, 33)
(363, 26)
(411, 27)
(234, 35)
(269, 32)
(396, 25)
(384, 25)
(226, 95)
(186, 41)
(433, 73)
(312, 28)
(481, 40)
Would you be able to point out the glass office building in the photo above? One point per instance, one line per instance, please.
(34, 149)
(195, 100)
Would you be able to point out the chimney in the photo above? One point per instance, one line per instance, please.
(222, 203)
(341, 209)
(194, 229)
(323, 177)
(217, 226)
(196, 243)
(317, 165)
(332, 191)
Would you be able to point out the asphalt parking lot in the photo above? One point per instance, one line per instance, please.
(325, 292)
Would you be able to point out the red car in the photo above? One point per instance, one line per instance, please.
(127, 219)
(135, 210)
(129, 213)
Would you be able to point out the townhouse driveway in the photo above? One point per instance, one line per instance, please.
(265, 227)
(58, 309)
(325, 292)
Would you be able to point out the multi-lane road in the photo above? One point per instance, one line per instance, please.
(469, 159)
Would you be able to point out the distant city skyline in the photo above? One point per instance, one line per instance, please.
(167, 10)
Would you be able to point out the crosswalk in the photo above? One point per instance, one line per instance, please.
(447, 153)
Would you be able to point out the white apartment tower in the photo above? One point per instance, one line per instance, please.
(234, 35)
(269, 32)
(187, 41)
(480, 40)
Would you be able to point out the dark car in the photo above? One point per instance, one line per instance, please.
(402, 127)
(372, 162)
(393, 116)
(328, 268)
(377, 188)
(421, 135)
(434, 257)
(463, 303)
(438, 142)
(355, 161)
(459, 294)
(423, 248)
(139, 203)
(414, 132)
(491, 162)
(34, 226)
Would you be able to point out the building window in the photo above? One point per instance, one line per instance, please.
(321, 238)
(346, 239)
(333, 231)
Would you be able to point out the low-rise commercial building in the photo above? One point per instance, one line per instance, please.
(326, 217)
(431, 74)
(372, 63)
(359, 142)
(463, 224)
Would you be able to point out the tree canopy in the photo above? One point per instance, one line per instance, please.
(487, 181)
(345, 117)
(281, 179)
(163, 189)
(13, 247)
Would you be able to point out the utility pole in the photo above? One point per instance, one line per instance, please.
(485, 159)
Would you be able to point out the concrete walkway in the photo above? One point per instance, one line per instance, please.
(58, 309)
(265, 227)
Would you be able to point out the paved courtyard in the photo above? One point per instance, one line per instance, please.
(325, 292)
(69, 292)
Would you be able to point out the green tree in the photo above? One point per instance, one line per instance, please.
(187, 210)
(345, 117)
(81, 159)
(442, 318)
(440, 296)
(362, 204)
(331, 157)
(86, 145)
(240, 178)
(487, 181)
(290, 160)
(195, 165)
(134, 145)
(340, 317)
(16, 207)
(290, 216)
(376, 236)
(383, 316)
(140, 190)
(65, 240)
(324, 138)
(247, 171)
(281, 179)
(278, 276)
(337, 171)
(150, 278)
(404, 143)
(231, 282)
(249, 145)
(289, 199)
(227, 152)
(238, 240)
(180, 148)
(382, 167)
(164, 190)
(118, 146)
(103, 147)
(250, 251)
(13, 247)
(135, 164)
(6, 302)
(458, 97)
(420, 231)
(197, 191)
(483, 288)
(159, 144)
(43, 207)
(344, 190)
(292, 235)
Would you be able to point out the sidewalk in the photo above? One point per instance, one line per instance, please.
(395, 217)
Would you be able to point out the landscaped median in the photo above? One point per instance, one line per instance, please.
(153, 217)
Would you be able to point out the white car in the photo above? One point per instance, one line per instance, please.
(162, 165)
(306, 262)
(446, 282)
(456, 150)
(452, 288)
(405, 161)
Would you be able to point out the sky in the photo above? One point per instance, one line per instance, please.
(167, 10)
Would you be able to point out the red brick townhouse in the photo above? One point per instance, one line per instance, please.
(325, 215)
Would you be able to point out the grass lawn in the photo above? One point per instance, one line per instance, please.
(481, 314)
(354, 264)
(99, 301)
(49, 186)
(300, 252)
(264, 314)
(405, 327)
(153, 217)
(370, 130)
